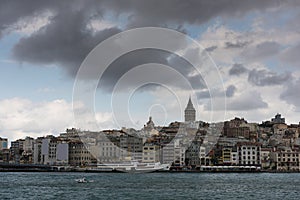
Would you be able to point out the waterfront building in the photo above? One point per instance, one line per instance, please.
(107, 151)
(173, 153)
(226, 155)
(50, 151)
(3, 143)
(287, 159)
(131, 146)
(79, 155)
(168, 151)
(151, 153)
(229, 156)
(266, 158)
(234, 157)
(26, 156)
(62, 153)
(28, 144)
(249, 153)
(37, 151)
(16, 149)
(4, 156)
(190, 112)
(192, 154)
(205, 159)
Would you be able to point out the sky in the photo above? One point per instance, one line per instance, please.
(252, 46)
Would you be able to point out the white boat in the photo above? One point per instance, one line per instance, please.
(135, 166)
(83, 180)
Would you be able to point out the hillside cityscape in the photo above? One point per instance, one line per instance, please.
(186, 146)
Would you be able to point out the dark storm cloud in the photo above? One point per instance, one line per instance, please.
(141, 13)
(12, 11)
(66, 41)
(267, 78)
(139, 57)
(237, 69)
(156, 12)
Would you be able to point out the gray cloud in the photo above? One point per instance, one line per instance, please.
(230, 91)
(205, 94)
(237, 69)
(267, 78)
(291, 93)
(261, 51)
(248, 101)
(237, 45)
(211, 48)
(291, 55)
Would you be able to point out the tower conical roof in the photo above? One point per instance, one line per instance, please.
(190, 105)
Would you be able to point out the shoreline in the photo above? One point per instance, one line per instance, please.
(68, 169)
(116, 171)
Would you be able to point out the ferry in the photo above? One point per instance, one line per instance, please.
(133, 167)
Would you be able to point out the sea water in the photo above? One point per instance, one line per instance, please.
(37, 185)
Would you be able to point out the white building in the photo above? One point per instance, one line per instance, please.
(108, 152)
(204, 158)
(62, 153)
(174, 153)
(51, 151)
(28, 144)
(249, 153)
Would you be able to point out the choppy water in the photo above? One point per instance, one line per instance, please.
(150, 186)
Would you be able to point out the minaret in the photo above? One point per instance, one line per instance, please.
(190, 112)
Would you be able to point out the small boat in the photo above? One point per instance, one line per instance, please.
(84, 180)
(81, 180)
